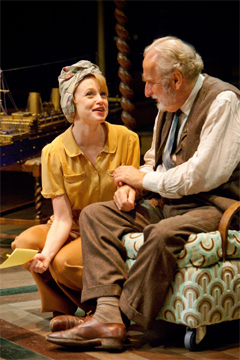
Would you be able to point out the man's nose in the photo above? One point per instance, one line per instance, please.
(148, 89)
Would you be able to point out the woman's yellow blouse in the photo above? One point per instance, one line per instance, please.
(66, 170)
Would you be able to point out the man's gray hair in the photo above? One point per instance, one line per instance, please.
(174, 54)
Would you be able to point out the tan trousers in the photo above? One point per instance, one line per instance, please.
(60, 286)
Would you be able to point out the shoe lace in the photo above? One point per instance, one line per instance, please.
(88, 316)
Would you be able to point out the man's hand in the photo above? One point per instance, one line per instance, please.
(128, 175)
(124, 198)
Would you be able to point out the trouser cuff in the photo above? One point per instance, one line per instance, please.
(133, 314)
(100, 291)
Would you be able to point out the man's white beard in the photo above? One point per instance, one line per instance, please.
(161, 107)
(167, 100)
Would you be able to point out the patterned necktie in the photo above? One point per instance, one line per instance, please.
(172, 135)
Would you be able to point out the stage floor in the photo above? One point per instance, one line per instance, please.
(23, 326)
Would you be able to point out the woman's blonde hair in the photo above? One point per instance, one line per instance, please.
(100, 80)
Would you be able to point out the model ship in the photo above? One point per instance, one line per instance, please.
(23, 134)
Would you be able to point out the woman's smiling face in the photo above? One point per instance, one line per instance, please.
(91, 102)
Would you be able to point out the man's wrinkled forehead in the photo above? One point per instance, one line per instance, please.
(149, 68)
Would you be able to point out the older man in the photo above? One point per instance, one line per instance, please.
(191, 174)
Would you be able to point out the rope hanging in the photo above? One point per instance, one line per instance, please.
(125, 85)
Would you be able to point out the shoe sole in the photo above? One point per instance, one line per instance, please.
(106, 343)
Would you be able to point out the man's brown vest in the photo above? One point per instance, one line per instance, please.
(190, 136)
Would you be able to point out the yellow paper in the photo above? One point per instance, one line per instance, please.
(18, 257)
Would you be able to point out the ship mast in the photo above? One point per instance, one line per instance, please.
(2, 90)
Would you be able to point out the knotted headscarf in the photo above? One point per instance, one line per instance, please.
(68, 78)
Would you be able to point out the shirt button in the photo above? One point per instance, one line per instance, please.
(96, 188)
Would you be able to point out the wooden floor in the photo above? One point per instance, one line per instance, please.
(24, 327)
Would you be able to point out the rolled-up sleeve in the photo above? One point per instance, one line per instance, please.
(52, 176)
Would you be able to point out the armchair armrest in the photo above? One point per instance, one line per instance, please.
(225, 224)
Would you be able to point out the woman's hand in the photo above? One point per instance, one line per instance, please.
(56, 237)
(128, 175)
(39, 263)
(124, 198)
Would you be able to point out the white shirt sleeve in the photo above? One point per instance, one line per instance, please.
(213, 162)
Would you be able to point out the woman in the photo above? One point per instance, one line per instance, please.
(77, 170)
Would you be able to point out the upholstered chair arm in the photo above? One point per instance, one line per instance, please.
(225, 224)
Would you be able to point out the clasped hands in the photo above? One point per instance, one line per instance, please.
(127, 179)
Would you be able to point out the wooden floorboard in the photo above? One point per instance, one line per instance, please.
(24, 327)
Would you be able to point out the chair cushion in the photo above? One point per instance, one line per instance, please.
(201, 250)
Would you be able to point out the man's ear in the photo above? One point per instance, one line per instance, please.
(177, 79)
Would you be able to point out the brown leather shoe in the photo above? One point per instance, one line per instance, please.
(91, 333)
(65, 322)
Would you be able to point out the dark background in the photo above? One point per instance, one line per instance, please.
(38, 38)
(59, 33)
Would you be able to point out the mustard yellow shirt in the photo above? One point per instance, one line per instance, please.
(66, 170)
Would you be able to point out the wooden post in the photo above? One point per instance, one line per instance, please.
(101, 42)
(125, 86)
